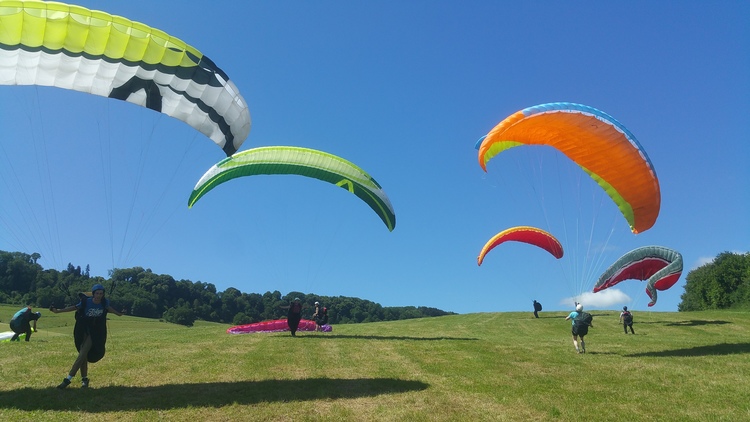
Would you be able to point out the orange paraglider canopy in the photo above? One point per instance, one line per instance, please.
(598, 143)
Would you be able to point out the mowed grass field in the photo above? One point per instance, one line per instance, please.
(474, 367)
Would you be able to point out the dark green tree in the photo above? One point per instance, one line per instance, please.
(721, 284)
(146, 294)
(182, 315)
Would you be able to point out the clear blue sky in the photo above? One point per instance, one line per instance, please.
(403, 89)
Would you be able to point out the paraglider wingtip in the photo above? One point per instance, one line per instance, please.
(229, 148)
(479, 141)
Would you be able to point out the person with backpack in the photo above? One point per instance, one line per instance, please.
(627, 320)
(537, 308)
(21, 323)
(581, 321)
(320, 316)
(294, 315)
(89, 332)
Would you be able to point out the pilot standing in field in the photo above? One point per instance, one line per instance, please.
(294, 315)
(537, 308)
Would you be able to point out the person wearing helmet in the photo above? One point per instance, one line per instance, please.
(315, 315)
(320, 316)
(626, 318)
(21, 323)
(581, 321)
(89, 333)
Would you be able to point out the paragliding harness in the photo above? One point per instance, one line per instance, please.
(537, 306)
(627, 317)
(322, 317)
(294, 309)
(581, 323)
(96, 328)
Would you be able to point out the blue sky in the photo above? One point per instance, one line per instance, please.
(403, 90)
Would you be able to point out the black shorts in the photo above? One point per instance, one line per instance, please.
(20, 327)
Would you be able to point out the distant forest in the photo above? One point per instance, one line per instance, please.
(724, 283)
(145, 294)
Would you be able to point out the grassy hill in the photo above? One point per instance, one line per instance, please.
(475, 367)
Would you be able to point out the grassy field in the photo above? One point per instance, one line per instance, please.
(475, 367)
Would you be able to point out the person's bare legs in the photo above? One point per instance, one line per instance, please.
(81, 361)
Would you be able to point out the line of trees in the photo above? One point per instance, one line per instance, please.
(146, 294)
(723, 283)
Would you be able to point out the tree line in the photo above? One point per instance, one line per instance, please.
(723, 283)
(146, 294)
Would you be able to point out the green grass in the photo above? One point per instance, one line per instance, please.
(475, 367)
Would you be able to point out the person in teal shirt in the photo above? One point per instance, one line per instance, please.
(575, 329)
(21, 323)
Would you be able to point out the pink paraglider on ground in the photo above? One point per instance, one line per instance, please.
(275, 326)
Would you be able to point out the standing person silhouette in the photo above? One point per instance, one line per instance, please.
(294, 315)
(626, 318)
(537, 308)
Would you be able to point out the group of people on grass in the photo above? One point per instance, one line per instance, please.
(581, 321)
(294, 315)
(90, 330)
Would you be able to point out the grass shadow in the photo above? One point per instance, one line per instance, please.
(594, 314)
(689, 323)
(209, 394)
(376, 337)
(696, 322)
(711, 350)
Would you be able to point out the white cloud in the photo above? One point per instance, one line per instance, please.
(703, 261)
(603, 299)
